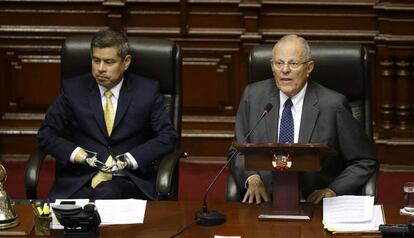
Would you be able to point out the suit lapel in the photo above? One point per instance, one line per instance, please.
(310, 114)
(272, 120)
(95, 104)
(123, 102)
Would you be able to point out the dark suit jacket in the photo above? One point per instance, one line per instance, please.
(326, 117)
(142, 127)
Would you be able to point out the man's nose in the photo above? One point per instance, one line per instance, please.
(101, 66)
(285, 68)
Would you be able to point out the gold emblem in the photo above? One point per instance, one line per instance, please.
(281, 162)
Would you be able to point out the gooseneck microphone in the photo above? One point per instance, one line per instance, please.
(266, 110)
(214, 218)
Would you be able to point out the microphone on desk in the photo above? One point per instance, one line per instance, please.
(214, 218)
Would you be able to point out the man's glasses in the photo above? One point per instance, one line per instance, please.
(292, 64)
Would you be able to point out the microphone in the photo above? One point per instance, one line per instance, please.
(214, 218)
(266, 110)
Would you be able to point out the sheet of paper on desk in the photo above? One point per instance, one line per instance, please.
(55, 223)
(121, 211)
(348, 208)
(345, 214)
(367, 226)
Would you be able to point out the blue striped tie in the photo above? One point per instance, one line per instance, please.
(286, 134)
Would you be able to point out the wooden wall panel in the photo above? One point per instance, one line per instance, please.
(47, 14)
(215, 37)
(209, 78)
(32, 81)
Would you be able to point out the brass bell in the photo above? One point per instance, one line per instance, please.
(8, 217)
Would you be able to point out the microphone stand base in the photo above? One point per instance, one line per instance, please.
(210, 218)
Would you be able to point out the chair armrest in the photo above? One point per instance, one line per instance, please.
(167, 176)
(31, 176)
(370, 187)
(232, 190)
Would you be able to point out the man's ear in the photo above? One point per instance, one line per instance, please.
(311, 65)
(127, 61)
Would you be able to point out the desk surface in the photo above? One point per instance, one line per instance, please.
(163, 219)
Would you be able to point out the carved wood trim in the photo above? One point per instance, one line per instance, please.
(387, 6)
(320, 2)
(114, 3)
(153, 1)
(386, 104)
(153, 30)
(70, 30)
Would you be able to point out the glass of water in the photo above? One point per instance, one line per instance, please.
(409, 196)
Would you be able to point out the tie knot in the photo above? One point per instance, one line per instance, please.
(108, 93)
(288, 103)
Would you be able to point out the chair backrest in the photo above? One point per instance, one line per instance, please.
(159, 59)
(341, 67)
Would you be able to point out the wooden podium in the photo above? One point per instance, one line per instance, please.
(285, 161)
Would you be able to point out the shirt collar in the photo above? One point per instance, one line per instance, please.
(295, 99)
(115, 90)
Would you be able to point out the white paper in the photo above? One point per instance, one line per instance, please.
(404, 212)
(55, 223)
(348, 208)
(121, 211)
(352, 214)
(372, 225)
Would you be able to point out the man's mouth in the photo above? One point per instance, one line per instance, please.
(101, 77)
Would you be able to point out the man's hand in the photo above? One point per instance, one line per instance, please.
(122, 162)
(317, 195)
(83, 157)
(91, 161)
(256, 191)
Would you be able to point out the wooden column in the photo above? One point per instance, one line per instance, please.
(115, 13)
(386, 100)
(403, 96)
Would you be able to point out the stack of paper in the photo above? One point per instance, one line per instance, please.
(121, 211)
(352, 214)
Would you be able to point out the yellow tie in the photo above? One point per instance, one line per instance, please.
(109, 121)
(109, 112)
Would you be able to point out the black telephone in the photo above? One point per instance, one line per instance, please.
(77, 221)
(397, 230)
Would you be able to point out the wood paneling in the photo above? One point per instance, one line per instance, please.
(215, 37)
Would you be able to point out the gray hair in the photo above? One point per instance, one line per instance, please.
(305, 45)
(111, 38)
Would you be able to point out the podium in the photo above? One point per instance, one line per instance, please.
(285, 161)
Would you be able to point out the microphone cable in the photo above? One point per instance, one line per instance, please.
(183, 228)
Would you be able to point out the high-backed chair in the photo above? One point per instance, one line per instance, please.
(341, 67)
(159, 59)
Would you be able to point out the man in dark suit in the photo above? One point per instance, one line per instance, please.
(107, 128)
(318, 114)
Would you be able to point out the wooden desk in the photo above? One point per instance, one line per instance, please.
(163, 219)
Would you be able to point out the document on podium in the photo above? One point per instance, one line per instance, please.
(349, 214)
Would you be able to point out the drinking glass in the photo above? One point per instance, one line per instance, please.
(409, 196)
